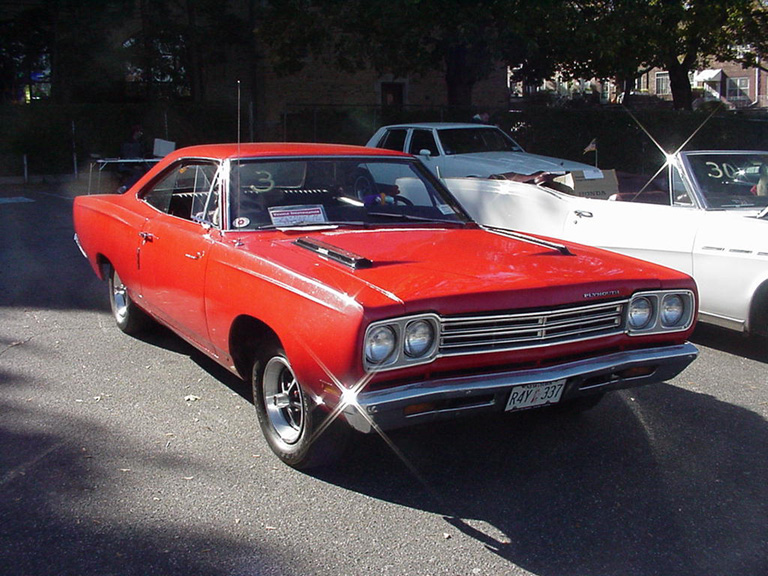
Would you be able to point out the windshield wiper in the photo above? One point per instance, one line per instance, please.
(413, 218)
(330, 224)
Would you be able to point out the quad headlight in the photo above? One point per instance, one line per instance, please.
(660, 311)
(640, 313)
(419, 337)
(672, 309)
(401, 342)
(380, 344)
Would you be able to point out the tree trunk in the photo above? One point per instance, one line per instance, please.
(147, 52)
(61, 92)
(679, 83)
(258, 70)
(627, 84)
(459, 78)
(195, 72)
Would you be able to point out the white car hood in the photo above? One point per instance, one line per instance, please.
(487, 163)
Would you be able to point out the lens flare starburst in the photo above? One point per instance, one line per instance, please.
(669, 157)
(348, 399)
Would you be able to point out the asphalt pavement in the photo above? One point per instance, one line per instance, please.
(125, 456)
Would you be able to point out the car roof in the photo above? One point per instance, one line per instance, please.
(704, 152)
(273, 149)
(441, 125)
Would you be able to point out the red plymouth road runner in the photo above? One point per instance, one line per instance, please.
(354, 293)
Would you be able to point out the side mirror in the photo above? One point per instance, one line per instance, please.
(425, 152)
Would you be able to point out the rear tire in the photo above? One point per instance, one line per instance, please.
(289, 418)
(129, 318)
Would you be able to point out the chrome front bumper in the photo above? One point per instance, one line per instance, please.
(446, 398)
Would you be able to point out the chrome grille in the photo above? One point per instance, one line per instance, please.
(494, 332)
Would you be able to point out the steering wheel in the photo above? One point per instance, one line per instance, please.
(362, 184)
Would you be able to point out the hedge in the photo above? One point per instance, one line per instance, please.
(52, 136)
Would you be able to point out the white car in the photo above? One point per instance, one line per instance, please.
(474, 150)
(708, 217)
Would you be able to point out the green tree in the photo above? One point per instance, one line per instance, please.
(609, 40)
(24, 50)
(85, 65)
(463, 39)
(66, 40)
(675, 35)
(178, 42)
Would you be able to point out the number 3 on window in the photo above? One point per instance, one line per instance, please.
(715, 171)
(264, 183)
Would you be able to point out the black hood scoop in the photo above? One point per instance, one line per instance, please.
(333, 253)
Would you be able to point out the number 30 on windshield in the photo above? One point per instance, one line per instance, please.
(719, 171)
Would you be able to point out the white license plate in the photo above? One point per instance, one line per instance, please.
(538, 394)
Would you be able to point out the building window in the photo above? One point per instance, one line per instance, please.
(392, 95)
(737, 89)
(662, 84)
(605, 91)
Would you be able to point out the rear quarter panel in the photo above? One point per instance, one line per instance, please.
(730, 264)
(108, 229)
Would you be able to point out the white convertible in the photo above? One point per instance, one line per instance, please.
(708, 217)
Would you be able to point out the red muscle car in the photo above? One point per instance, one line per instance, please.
(354, 292)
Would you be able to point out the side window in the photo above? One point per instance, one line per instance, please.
(187, 191)
(680, 195)
(159, 195)
(393, 140)
(205, 206)
(422, 140)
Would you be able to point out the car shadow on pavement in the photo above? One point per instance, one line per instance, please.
(657, 480)
(752, 347)
(164, 338)
(68, 504)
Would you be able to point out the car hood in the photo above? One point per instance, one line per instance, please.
(521, 163)
(451, 271)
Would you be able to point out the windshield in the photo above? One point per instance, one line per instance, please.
(330, 191)
(473, 140)
(731, 180)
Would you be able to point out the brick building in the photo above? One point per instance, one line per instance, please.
(727, 82)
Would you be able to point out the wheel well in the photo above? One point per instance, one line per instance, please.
(758, 311)
(103, 266)
(246, 337)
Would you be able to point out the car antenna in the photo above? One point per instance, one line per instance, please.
(238, 118)
(238, 153)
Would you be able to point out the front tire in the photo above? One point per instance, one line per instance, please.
(288, 417)
(129, 318)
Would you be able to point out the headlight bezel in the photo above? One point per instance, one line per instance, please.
(400, 327)
(657, 324)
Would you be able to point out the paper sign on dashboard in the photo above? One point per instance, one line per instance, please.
(292, 215)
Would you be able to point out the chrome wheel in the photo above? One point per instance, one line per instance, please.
(287, 416)
(283, 400)
(129, 318)
(119, 299)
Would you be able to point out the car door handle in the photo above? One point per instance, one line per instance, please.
(146, 237)
(195, 256)
(583, 214)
